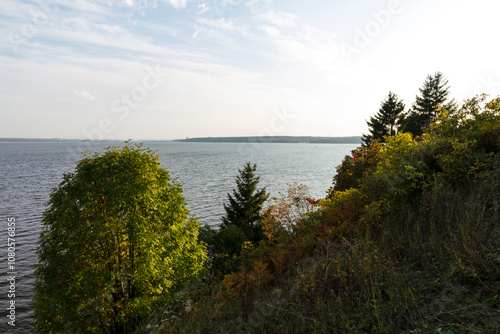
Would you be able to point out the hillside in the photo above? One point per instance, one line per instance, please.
(408, 241)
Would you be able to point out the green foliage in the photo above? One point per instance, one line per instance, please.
(399, 172)
(224, 247)
(466, 143)
(228, 240)
(245, 204)
(354, 167)
(386, 121)
(433, 96)
(476, 121)
(116, 245)
(341, 210)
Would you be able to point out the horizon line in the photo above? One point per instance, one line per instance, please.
(150, 139)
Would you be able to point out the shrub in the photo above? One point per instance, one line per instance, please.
(352, 169)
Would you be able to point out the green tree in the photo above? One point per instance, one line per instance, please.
(116, 245)
(244, 207)
(224, 247)
(434, 95)
(386, 121)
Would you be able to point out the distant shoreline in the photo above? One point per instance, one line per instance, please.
(275, 139)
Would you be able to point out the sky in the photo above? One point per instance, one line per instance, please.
(169, 69)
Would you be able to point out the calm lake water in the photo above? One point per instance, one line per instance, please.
(207, 171)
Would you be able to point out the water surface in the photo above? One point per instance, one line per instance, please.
(206, 171)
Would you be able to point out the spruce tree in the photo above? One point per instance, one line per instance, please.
(386, 121)
(243, 209)
(433, 96)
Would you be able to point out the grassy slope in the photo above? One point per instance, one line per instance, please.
(407, 242)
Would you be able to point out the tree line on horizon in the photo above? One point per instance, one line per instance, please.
(277, 139)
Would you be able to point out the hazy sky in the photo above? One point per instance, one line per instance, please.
(165, 69)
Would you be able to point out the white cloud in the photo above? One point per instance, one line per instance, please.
(203, 8)
(305, 44)
(281, 19)
(84, 94)
(198, 31)
(83, 6)
(178, 3)
(96, 34)
(220, 23)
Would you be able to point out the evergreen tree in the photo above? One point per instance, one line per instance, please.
(243, 209)
(386, 121)
(433, 96)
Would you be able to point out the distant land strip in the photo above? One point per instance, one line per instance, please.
(276, 139)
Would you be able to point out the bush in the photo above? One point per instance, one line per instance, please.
(224, 248)
(354, 167)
